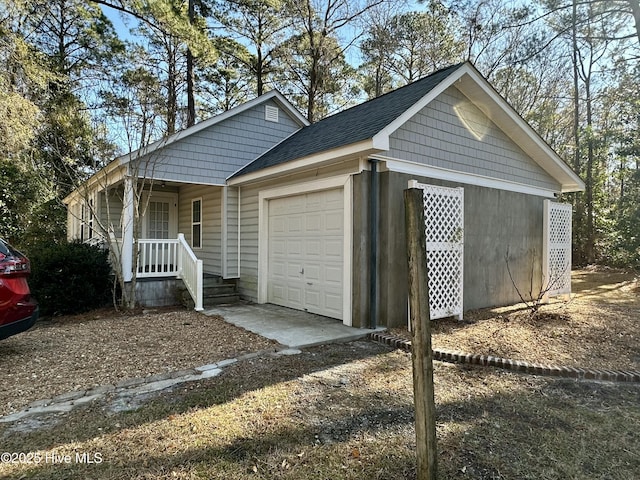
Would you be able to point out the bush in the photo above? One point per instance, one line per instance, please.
(70, 278)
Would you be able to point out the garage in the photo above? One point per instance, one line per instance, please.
(305, 252)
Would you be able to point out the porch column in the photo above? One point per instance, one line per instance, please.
(126, 256)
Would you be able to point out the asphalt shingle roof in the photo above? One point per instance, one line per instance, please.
(349, 126)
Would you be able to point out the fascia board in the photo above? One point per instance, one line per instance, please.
(360, 148)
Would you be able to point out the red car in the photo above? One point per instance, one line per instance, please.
(18, 311)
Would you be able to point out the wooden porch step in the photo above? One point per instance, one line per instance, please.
(215, 291)
(218, 289)
(220, 299)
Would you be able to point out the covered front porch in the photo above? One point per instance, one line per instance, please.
(141, 222)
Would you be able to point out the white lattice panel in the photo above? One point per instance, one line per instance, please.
(556, 259)
(444, 224)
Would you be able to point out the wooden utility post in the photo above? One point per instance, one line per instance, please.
(421, 353)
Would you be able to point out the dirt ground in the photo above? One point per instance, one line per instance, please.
(598, 328)
(103, 347)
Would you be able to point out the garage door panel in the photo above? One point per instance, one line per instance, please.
(312, 272)
(293, 248)
(279, 269)
(312, 299)
(295, 225)
(333, 302)
(278, 292)
(294, 270)
(295, 295)
(333, 221)
(314, 223)
(333, 248)
(314, 248)
(278, 225)
(305, 252)
(333, 198)
(279, 247)
(333, 275)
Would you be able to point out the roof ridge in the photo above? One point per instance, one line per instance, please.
(394, 91)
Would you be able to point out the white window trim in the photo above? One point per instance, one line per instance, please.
(193, 200)
(343, 181)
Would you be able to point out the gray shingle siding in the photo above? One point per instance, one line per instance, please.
(213, 154)
(435, 136)
(349, 126)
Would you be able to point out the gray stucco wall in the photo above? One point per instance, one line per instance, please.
(157, 292)
(496, 222)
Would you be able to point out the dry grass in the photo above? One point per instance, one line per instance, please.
(346, 412)
(598, 328)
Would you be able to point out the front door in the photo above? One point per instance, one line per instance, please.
(161, 217)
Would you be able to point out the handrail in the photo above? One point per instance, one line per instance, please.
(190, 271)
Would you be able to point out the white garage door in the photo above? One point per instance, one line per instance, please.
(305, 252)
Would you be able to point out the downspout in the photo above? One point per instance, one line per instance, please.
(373, 254)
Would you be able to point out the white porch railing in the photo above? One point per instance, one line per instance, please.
(169, 258)
(158, 258)
(190, 271)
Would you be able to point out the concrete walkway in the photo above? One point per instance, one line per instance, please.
(292, 328)
(125, 395)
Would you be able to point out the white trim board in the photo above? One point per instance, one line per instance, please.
(340, 181)
(312, 162)
(438, 173)
(224, 201)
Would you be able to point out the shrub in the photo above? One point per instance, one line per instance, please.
(70, 277)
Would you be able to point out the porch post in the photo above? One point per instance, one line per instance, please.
(127, 230)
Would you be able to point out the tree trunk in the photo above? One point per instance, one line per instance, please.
(577, 241)
(172, 97)
(191, 102)
(590, 240)
(635, 9)
(421, 352)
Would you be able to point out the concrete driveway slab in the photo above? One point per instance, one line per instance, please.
(292, 328)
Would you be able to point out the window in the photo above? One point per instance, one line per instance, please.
(83, 217)
(196, 223)
(91, 210)
(158, 226)
(86, 220)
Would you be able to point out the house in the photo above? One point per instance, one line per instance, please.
(312, 217)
